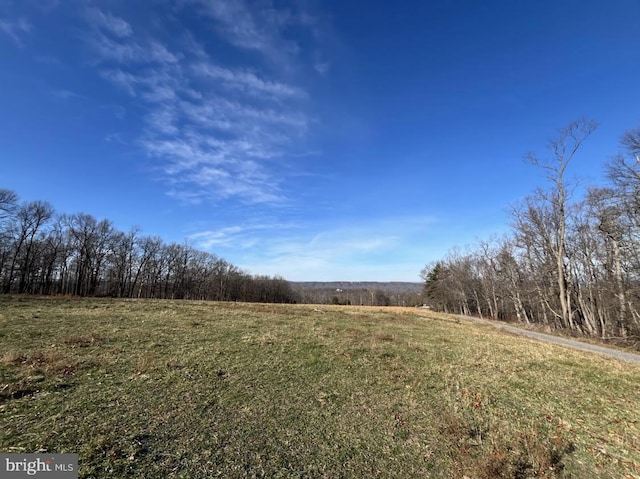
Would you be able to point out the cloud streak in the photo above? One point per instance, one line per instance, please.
(247, 82)
(259, 29)
(109, 23)
(15, 29)
(324, 252)
(215, 131)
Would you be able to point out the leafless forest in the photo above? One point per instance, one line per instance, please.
(568, 263)
(42, 252)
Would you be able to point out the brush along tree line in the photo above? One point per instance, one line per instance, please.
(42, 252)
(571, 264)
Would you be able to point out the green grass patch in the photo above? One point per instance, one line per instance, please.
(197, 389)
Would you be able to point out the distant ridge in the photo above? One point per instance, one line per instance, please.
(387, 287)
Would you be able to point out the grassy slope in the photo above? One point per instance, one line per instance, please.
(194, 389)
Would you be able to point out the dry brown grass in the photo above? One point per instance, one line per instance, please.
(194, 389)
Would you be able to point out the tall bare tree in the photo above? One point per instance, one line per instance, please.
(563, 149)
(29, 219)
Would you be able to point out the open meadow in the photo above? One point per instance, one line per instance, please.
(202, 389)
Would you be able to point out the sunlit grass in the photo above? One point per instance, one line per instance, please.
(196, 389)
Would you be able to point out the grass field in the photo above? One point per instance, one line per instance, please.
(196, 389)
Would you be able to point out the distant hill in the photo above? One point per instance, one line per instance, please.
(387, 287)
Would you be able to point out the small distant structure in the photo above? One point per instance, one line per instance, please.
(425, 306)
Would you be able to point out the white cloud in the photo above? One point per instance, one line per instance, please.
(322, 67)
(235, 116)
(126, 50)
(116, 50)
(122, 79)
(214, 130)
(113, 39)
(238, 25)
(163, 121)
(247, 81)
(222, 237)
(243, 236)
(160, 93)
(212, 171)
(386, 249)
(260, 28)
(114, 25)
(15, 29)
(159, 53)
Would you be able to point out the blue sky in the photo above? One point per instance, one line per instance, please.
(314, 140)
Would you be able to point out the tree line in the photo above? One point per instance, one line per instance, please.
(45, 253)
(566, 263)
(360, 296)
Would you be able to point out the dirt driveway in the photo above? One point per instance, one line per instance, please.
(603, 350)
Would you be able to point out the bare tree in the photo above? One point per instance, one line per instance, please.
(30, 218)
(80, 255)
(564, 149)
(91, 241)
(511, 277)
(8, 203)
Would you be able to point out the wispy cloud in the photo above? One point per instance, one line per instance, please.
(215, 130)
(259, 28)
(243, 236)
(247, 81)
(300, 251)
(229, 236)
(114, 25)
(124, 80)
(322, 67)
(15, 29)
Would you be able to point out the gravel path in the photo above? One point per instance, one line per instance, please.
(608, 352)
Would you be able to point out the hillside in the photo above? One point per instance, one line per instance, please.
(386, 287)
(359, 292)
(142, 388)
